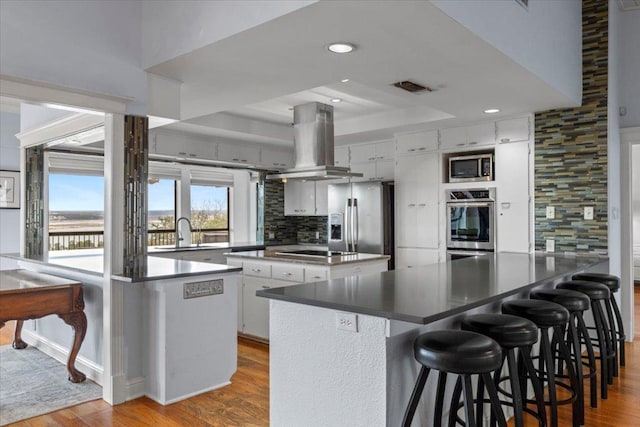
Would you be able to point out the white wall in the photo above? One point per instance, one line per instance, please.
(546, 38)
(89, 45)
(636, 195)
(613, 142)
(9, 160)
(34, 116)
(629, 49)
(173, 28)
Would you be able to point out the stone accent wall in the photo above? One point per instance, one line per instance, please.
(34, 203)
(289, 229)
(571, 152)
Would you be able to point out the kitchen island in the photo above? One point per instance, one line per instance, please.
(341, 350)
(286, 267)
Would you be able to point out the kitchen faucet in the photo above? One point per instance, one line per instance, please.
(178, 237)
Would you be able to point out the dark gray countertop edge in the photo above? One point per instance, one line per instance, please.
(204, 247)
(174, 276)
(18, 257)
(272, 294)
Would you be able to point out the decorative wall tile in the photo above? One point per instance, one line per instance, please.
(571, 151)
(34, 203)
(136, 178)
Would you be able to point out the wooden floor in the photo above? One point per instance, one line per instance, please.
(246, 401)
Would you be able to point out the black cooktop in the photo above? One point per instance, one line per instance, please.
(310, 253)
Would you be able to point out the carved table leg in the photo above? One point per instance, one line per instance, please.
(78, 321)
(18, 344)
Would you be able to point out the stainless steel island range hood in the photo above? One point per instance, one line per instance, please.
(313, 145)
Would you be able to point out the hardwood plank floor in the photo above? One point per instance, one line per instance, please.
(246, 401)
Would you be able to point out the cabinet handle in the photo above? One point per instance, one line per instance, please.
(411, 149)
(266, 287)
(411, 205)
(422, 204)
(236, 160)
(316, 277)
(505, 140)
(421, 148)
(460, 145)
(286, 274)
(206, 259)
(473, 143)
(256, 270)
(182, 153)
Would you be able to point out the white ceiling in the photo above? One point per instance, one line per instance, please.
(243, 87)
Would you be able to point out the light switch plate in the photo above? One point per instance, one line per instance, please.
(347, 322)
(551, 245)
(588, 212)
(551, 212)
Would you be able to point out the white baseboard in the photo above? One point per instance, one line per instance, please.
(135, 388)
(186, 396)
(92, 370)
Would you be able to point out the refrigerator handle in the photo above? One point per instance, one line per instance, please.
(347, 225)
(354, 225)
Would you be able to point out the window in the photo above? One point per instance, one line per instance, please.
(210, 213)
(161, 214)
(76, 211)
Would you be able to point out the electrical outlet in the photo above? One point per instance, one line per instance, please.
(588, 212)
(317, 234)
(551, 212)
(347, 322)
(551, 245)
(272, 235)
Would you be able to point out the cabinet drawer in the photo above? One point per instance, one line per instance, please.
(315, 274)
(291, 273)
(256, 269)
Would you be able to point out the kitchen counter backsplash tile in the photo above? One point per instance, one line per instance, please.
(571, 152)
(300, 229)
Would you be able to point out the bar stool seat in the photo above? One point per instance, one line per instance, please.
(571, 300)
(593, 290)
(508, 331)
(539, 312)
(458, 352)
(612, 282)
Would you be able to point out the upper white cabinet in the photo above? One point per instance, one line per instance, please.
(468, 137)
(341, 156)
(276, 159)
(308, 198)
(513, 204)
(371, 152)
(187, 148)
(513, 130)
(417, 142)
(380, 170)
(239, 154)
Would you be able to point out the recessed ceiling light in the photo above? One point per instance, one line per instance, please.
(344, 80)
(341, 47)
(492, 111)
(336, 100)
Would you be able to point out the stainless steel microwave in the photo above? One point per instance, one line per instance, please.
(478, 167)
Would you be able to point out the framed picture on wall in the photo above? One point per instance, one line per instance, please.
(9, 189)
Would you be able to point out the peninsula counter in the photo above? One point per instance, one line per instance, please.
(341, 350)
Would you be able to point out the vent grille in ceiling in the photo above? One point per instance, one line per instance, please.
(412, 87)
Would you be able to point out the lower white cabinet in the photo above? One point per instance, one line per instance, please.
(412, 257)
(253, 311)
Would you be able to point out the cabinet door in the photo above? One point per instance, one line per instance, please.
(417, 142)
(322, 198)
(255, 320)
(482, 134)
(385, 170)
(341, 156)
(513, 130)
(368, 171)
(513, 163)
(180, 148)
(385, 150)
(453, 138)
(299, 198)
(409, 258)
(238, 154)
(362, 153)
(278, 159)
(406, 200)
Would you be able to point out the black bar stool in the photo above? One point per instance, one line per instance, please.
(576, 303)
(512, 333)
(460, 352)
(598, 294)
(613, 283)
(548, 315)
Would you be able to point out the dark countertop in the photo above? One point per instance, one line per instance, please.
(429, 293)
(270, 255)
(233, 247)
(157, 268)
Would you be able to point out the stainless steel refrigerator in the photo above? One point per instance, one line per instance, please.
(361, 218)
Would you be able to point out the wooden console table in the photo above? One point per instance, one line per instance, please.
(27, 295)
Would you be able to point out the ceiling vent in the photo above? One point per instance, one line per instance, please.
(412, 87)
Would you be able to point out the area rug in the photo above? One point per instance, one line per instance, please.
(32, 383)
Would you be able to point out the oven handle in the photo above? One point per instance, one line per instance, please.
(471, 204)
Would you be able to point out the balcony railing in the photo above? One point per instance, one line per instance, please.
(70, 240)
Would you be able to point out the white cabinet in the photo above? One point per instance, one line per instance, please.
(276, 159)
(238, 154)
(417, 142)
(416, 190)
(513, 207)
(299, 198)
(255, 309)
(341, 157)
(513, 130)
(370, 152)
(379, 170)
(176, 147)
(308, 198)
(410, 257)
(468, 137)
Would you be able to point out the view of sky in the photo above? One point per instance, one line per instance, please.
(86, 193)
